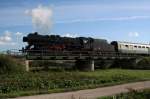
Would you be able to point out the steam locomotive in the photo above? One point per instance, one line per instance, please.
(37, 43)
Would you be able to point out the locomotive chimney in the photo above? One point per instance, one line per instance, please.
(25, 39)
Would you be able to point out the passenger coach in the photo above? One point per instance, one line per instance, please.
(134, 48)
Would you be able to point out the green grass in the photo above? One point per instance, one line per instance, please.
(132, 94)
(9, 64)
(12, 85)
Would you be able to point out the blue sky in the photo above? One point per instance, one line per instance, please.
(121, 20)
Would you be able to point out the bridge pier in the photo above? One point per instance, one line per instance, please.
(85, 65)
(27, 65)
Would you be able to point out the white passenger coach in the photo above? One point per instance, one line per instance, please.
(135, 48)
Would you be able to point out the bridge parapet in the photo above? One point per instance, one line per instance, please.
(69, 55)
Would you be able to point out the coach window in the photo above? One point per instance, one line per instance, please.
(139, 46)
(143, 46)
(126, 46)
(135, 46)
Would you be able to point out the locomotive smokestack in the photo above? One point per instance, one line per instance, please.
(25, 39)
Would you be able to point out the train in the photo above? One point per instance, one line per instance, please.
(50, 43)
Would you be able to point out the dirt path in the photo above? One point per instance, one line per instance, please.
(91, 93)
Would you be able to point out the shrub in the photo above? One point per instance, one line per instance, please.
(9, 64)
(143, 64)
(103, 64)
(124, 63)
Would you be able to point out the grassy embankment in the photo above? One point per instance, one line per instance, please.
(14, 81)
(12, 85)
(133, 94)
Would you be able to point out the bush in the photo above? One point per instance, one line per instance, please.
(103, 64)
(124, 64)
(9, 64)
(143, 64)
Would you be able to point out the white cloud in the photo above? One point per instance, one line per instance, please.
(105, 7)
(133, 34)
(105, 19)
(18, 34)
(6, 39)
(70, 35)
(41, 18)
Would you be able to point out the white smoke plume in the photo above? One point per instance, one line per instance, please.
(41, 19)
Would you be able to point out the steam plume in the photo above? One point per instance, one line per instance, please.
(41, 18)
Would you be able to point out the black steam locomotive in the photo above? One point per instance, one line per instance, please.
(38, 42)
(49, 43)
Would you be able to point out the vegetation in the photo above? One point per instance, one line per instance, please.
(124, 64)
(9, 64)
(15, 82)
(133, 94)
(144, 63)
(104, 64)
(12, 85)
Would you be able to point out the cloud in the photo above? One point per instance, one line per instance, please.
(41, 18)
(70, 35)
(6, 39)
(18, 34)
(133, 34)
(105, 19)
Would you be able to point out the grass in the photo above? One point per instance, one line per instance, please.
(132, 94)
(9, 64)
(13, 85)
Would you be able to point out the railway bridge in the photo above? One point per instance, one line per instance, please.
(84, 59)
